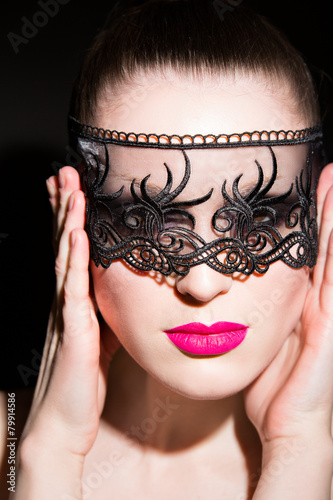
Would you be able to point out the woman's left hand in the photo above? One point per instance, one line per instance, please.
(290, 403)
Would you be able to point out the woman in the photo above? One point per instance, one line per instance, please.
(204, 268)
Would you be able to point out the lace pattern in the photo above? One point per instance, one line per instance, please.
(250, 237)
(199, 141)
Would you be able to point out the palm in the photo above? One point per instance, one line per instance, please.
(77, 352)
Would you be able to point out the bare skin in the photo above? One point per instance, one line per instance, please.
(84, 418)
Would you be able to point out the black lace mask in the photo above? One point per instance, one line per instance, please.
(248, 225)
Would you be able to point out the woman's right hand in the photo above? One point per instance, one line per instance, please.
(69, 397)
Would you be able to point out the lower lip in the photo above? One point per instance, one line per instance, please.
(208, 344)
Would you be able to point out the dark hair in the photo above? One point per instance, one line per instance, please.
(189, 36)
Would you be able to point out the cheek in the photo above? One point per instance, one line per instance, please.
(112, 292)
(133, 306)
(273, 307)
(124, 297)
(277, 302)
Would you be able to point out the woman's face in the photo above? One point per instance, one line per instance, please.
(141, 306)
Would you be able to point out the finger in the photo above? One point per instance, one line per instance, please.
(52, 185)
(49, 353)
(326, 291)
(69, 408)
(325, 227)
(76, 287)
(77, 363)
(325, 182)
(55, 327)
(69, 182)
(52, 339)
(75, 218)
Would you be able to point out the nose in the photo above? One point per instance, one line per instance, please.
(203, 283)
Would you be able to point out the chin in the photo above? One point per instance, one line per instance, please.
(204, 386)
(206, 395)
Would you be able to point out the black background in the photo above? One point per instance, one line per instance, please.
(35, 90)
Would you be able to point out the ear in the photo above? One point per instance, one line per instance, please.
(324, 184)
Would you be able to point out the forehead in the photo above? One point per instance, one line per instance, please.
(171, 103)
(179, 103)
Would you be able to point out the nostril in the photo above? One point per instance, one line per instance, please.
(203, 283)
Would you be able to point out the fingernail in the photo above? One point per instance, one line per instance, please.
(62, 180)
(71, 202)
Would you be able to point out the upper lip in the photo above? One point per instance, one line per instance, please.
(201, 329)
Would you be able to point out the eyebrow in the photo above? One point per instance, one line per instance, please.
(152, 189)
(245, 189)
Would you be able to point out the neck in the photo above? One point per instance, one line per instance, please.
(154, 416)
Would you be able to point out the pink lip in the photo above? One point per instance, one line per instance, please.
(197, 338)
